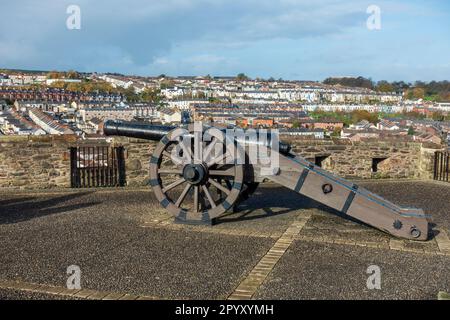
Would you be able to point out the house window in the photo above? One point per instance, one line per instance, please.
(375, 163)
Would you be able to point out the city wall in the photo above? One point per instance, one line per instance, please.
(44, 162)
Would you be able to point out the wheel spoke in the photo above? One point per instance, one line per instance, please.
(208, 195)
(196, 198)
(209, 149)
(228, 183)
(198, 144)
(219, 193)
(167, 154)
(173, 185)
(187, 154)
(183, 195)
(219, 186)
(230, 172)
(217, 160)
(170, 171)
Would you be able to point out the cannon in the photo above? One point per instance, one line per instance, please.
(198, 172)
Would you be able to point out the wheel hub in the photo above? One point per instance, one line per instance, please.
(195, 173)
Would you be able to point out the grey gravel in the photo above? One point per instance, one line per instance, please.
(102, 232)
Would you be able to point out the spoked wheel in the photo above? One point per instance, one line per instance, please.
(194, 174)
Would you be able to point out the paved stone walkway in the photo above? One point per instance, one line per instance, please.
(278, 246)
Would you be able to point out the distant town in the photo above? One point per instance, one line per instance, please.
(59, 103)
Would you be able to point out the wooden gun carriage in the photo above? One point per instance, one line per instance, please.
(200, 172)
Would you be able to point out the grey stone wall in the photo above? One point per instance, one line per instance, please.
(35, 162)
(44, 162)
(397, 160)
(137, 159)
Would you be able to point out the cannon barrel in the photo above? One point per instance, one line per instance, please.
(153, 132)
(138, 130)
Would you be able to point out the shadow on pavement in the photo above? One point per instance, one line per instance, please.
(27, 208)
(261, 204)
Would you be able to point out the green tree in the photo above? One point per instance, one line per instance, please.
(151, 95)
(242, 77)
(167, 83)
(131, 95)
(359, 82)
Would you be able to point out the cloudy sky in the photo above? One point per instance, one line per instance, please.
(292, 39)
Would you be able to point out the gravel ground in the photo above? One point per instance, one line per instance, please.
(101, 231)
(329, 271)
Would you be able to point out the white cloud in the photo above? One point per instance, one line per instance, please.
(204, 36)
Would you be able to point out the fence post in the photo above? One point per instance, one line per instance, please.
(121, 166)
(448, 167)
(73, 167)
(436, 155)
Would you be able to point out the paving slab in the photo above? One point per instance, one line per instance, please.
(9, 294)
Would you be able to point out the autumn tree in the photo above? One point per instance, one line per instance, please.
(71, 74)
(58, 85)
(418, 93)
(384, 86)
(438, 116)
(54, 75)
(359, 115)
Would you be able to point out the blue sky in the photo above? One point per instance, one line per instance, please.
(292, 39)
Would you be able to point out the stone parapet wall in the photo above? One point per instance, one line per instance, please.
(44, 162)
(35, 162)
(137, 159)
(396, 160)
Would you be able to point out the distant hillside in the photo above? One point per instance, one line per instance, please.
(13, 71)
(4, 70)
(359, 82)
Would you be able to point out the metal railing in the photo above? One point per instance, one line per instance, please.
(97, 166)
(442, 166)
